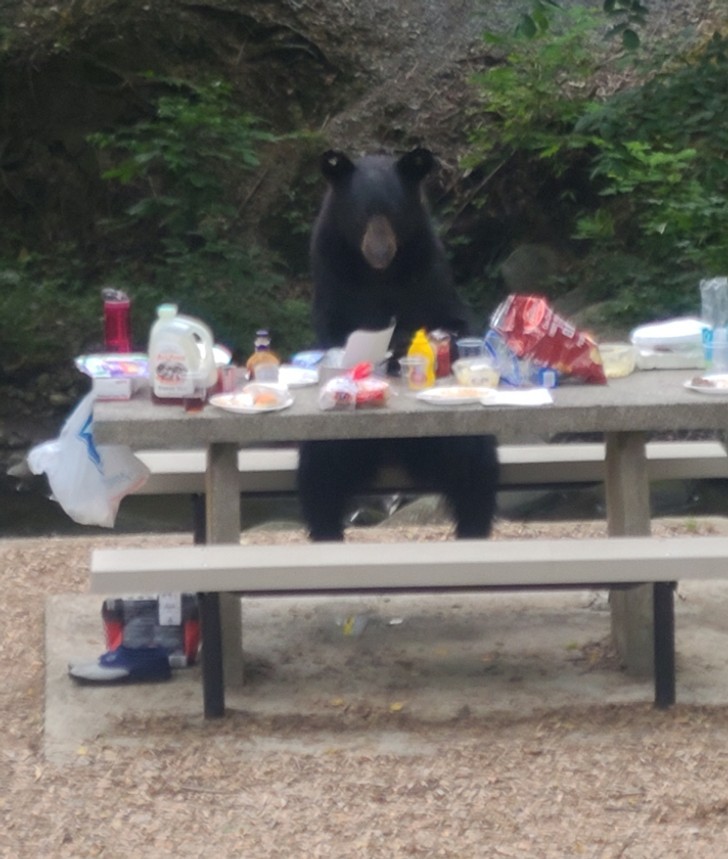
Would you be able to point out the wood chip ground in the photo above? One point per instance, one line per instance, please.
(605, 781)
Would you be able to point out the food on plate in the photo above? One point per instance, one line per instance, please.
(461, 392)
(455, 395)
(709, 382)
(254, 397)
(265, 399)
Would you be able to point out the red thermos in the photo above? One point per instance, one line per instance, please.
(116, 320)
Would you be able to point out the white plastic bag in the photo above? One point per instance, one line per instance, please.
(87, 481)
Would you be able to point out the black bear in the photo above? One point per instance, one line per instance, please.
(375, 256)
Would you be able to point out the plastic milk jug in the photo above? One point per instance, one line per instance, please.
(181, 361)
(420, 346)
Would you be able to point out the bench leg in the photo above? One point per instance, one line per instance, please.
(199, 519)
(664, 620)
(213, 687)
(220, 614)
(628, 515)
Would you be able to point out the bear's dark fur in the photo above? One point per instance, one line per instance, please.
(375, 256)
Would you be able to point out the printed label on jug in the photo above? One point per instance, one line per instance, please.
(172, 377)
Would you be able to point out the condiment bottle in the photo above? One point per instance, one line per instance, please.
(420, 346)
(263, 364)
(440, 341)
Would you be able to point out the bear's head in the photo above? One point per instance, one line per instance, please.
(375, 203)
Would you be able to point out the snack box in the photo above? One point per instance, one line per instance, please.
(115, 376)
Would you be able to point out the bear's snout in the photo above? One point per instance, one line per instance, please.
(379, 244)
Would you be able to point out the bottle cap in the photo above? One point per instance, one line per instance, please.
(167, 311)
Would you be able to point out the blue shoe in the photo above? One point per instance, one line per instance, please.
(125, 664)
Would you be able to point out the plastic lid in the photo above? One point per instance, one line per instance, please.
(671, 333)
(111, 294)
(166, 311)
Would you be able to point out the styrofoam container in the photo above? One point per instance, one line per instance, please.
(684, 359)
(673, 335)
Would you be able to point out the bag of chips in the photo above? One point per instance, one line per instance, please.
(532, 330)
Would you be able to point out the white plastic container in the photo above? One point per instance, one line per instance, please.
(618, 359)
(672, 335)
(670, 345)
(181, 359)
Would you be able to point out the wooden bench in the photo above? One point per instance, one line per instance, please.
(272, 471)
(340, 568)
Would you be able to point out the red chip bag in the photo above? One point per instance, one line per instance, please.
(532, 330)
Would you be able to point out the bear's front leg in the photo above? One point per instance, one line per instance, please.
(330, 473)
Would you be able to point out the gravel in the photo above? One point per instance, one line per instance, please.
(605, 781)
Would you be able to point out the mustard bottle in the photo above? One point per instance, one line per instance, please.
(420, 347)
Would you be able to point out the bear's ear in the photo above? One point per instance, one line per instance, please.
(336, 166)
(415, 165)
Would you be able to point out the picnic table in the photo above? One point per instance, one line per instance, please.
(626, 413)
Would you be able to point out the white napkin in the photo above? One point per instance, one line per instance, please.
(518, 397)
(367, 346)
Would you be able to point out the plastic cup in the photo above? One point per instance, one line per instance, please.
(470, 347)
(266, 372)
(414, 371)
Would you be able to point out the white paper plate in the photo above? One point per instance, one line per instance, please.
(241, 403)
(454, 395)
(518, 397)
(713, 383)
(297, 377)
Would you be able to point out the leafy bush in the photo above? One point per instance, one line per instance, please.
(649, 160)
(660, 157)
(45, 318)
(173, 231)
(532, 99)
(180, 236)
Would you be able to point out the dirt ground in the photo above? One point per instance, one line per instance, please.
(359, 778)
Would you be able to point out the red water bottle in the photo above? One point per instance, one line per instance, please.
(116, 320)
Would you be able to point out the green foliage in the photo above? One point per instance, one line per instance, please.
(651, 157)
(539, 90)
(44, 317)
(660, 158)
(626, 16)
(182, 159)
(174, 230)
(180, 236)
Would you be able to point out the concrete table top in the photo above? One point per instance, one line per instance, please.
(646, 401)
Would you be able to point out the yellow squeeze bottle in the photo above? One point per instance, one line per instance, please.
(420, 346)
